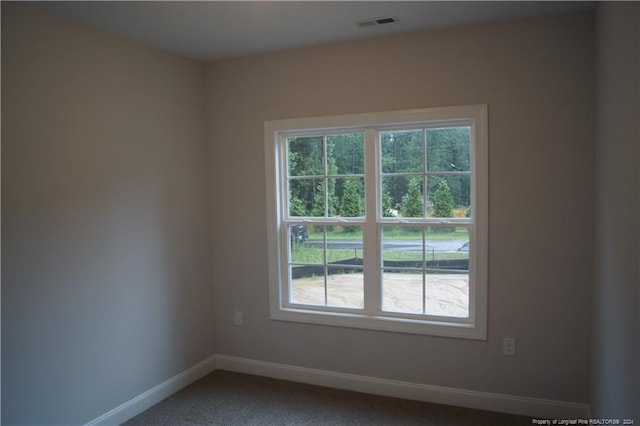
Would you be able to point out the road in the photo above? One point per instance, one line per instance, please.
(443, 246)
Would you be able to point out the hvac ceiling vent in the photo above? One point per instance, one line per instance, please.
(371, 22)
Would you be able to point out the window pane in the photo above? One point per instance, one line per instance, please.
(306, 197)
(448, 149)
(447, 294)
(344, 245)
(346, 197)
(442, 258)
(402, 247)
(345, 287)
(447, 278)
(402, 151)
(402, 291)
(345, 154)
(308, 280)
(303, 249)
(402, 196)
(392, 190)
(305, 156)
(326, 273)
(449, 196)
(446, 243)
(309, 288)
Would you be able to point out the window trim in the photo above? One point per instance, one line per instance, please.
(275, 163)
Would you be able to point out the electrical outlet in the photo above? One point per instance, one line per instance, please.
(509, 346)
(237, 318)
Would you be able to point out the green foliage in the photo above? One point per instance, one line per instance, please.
(443, 204)
(309, 255)
(387, 201)
(318, 201)
(447, 150)
(412, 203)
(344, 156)
(386, 205)
(348, 153)
(297, 207)
(332, 169)
(351, 205)
(402, 151)
(467, 212)
(443, 200)
(305, 156)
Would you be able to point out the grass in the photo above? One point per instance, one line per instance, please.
(392, 232)
(302, 254)
(417, 256)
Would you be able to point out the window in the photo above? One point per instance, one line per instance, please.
(379, 220)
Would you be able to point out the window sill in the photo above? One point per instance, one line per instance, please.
(381, 323)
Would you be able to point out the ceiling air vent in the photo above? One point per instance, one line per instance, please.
(376, 21)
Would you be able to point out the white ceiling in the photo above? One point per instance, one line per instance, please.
(210, 30)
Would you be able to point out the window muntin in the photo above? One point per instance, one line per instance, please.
(436, 285)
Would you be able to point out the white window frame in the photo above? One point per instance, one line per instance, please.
(372, 316)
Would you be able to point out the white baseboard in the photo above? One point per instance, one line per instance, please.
(525, 406)
(140, 403)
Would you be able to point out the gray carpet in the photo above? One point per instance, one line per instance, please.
(226, 398)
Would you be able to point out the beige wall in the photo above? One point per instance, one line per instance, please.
(615, 367)
(105, 251)
(537, 76)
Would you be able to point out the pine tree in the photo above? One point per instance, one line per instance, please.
(318, 201)
(332, 169)
(443, 200)
(351, 205)
(387, 201)
(412, 203)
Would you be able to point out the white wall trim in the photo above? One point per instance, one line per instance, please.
(521, 405)
(140, 403)
(525, 406)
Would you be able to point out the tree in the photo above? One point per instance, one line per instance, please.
(386, 204)
(332, 169)
(318, 201)
(348, 152)
(401, 152)
(305, 159)
(351, 205)
(387, 201)
(318, 164)
(443, 203)
(412, 203)
(296, 206)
